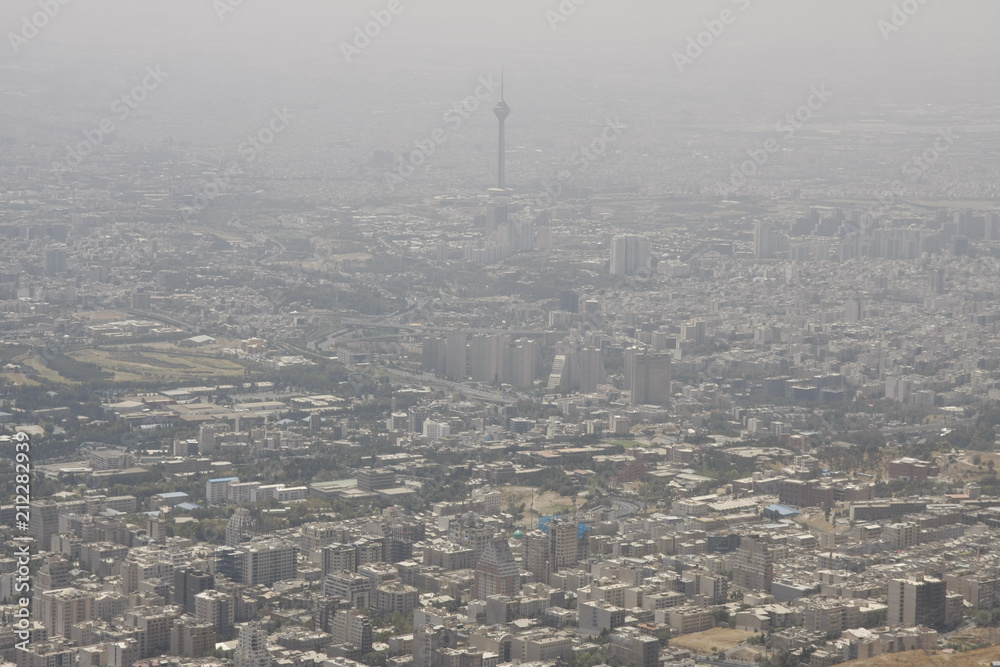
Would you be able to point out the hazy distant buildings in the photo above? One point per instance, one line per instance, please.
(694, 331)
(488, 252)
(898, 389)
(522, 362)
(936, 281)
(55, 261)
(483, 357)
(516, 233)
(577, 368)
(767, 241)
(991, 230)
(630, 254)
(854, 310)
(648, 375)
(960, 247)
(486, 353)
(455, 356)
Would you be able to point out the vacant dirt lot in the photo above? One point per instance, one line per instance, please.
(722, 639)
(545, 504)
(978, 658)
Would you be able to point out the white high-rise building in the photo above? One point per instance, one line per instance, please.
(216, 489)
(269, 560)
(251, 649)
(629, 255)
(215, 608)
(434, 430)
(899, 389)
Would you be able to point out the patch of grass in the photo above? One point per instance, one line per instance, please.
(180, 366)
(9, 353)
(46, 373)
(80, 371)
(19, 378)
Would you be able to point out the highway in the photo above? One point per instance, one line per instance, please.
(623, 508)
(429, 379)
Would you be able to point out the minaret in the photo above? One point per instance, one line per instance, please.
(502, 111)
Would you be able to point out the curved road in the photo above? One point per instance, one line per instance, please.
(623, 508)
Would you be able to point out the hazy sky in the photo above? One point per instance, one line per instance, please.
(231, 61)
(262, 26)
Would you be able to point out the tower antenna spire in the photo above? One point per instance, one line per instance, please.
(502, 110)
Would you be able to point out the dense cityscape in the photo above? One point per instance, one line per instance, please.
(581, 369)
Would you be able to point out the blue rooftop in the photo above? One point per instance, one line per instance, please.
(783, 510)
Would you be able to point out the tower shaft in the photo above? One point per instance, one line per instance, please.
(501, 110)
(501, 157)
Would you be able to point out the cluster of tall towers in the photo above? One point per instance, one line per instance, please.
(577, 367)
(483, 357)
